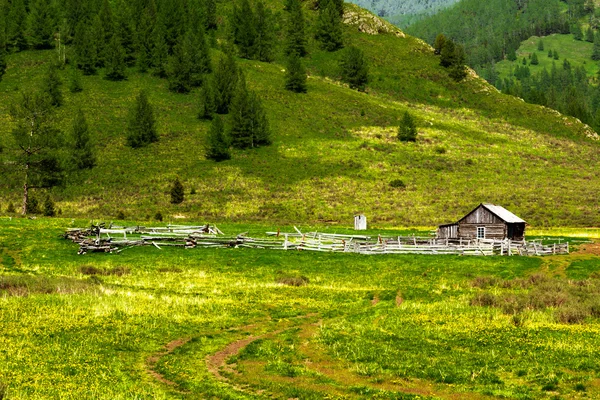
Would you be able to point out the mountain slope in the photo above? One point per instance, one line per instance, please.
(404, 12)
(334, 152)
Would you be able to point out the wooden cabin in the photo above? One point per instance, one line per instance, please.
(487, 221)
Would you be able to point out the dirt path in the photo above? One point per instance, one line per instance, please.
(153, 360)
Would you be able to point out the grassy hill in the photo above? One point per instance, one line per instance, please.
(334, 151)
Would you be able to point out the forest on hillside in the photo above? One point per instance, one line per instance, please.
(404, 13)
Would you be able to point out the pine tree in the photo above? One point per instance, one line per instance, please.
(295, 40)
(225, 80)
(511, 54)
(75, 85)
(555, 53)
(51, 86)
(17, 25)
(141, 130)
(49, 208)
(407, 131)
(180, 69)
(447, 54)
(589, 35)
(144, 39)
(540, 45)
(160, 53)
(329, 28)
(210, 14)
(82, 153)
(263, 44)
(354, 68)
(245, 29)
(438, 45)
(217, 148)
(208, 106)
(524, 61)
(550, 54)
(596, 49)
(115, 68)
(103, 33)
(534, 59)
(249, 127)
(42, 24)
(124, 29)
(458, 70)
(576, 31)
(295, 74)
(86, 54)
(177, 192)
(200, 61)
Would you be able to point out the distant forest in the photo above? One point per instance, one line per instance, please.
(403, 13)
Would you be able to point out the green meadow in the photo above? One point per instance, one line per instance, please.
(231, 324)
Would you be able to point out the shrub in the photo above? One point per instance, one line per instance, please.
(177, 192)
(91, 270)
(485, 282)
(440, 150)
(11, 208)
(158, 216)
(398, 184)
(572, 314)
(292, 280)
(120, 215)
(407, 131)
(49, 209)
(484, 299)
(580, 387)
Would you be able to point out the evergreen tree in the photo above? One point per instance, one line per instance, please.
(210, 14)
(555, 54)
(524, 61)
(160, 53)
(82, 153)
(51, 86)
(124, 29)
(225, 80)
(447, 54)
(550, 54)
(245, 36)
(200, 62)
(37, 144)
(458, 70)
(177, 192)
(141, 130)
(3, 63)
(42, 24)
(103, 28)
(17, 25)
(263, 44)
(208, 106)
(86, 54)
(217, 148)
(534, 59)
(75, 85)
(295, 40)
(144, 38)
(329, 28)
(180, 69)
(116, 68)
(589, 35)
(338, 4)
(540, 45)
(249, 127)
(576, 31)
(407, 131)
(354, 68)
(295, 74)
(438, 45)
(596, 49)
(49, 208)
(511, 54)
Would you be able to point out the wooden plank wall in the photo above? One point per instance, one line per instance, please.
(481, 215)
(492, 231)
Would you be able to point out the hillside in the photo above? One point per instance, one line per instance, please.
(405, 12)
(334, 151)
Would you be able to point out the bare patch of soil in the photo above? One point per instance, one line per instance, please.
(153, 360)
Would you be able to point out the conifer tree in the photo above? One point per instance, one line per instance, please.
(511, 54)
(329, 28)
(447, 54)
(86, 54)
(555, 53)
(124, 29)
(160, 53)
(177, 192)
(295, 40)
(75, 85)
(550, 54)
(208, 106)
(249, 126)
(49, 208)
(42, 24)
(144, 38)
(263, 44)
(51, 86)
(576, 31)
(225, 80)
(82, 153)
(407, 131)
(3, 63)
(458, 70)
(200, 61)
(217, 148)
(210, 14)
(295, 74)
(17, 25)
(540, 45)
(534, 59)
(245, 29)
(180, 69)
(354, 69)
(141, 130)
(589, 35)
(438, 45)
(115, 68)
(596, 49)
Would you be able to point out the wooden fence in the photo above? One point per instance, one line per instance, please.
(100, 238)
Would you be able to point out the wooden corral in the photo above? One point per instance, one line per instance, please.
(487, 221)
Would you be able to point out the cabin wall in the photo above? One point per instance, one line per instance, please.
(448, 232)
(481, 215)
(492, 231)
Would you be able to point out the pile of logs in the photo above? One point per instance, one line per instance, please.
(99, 238)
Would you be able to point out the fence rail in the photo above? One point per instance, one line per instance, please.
(100, 238)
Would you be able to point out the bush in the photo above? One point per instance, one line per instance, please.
(291, 280)
(484, 299)
(158, 216)
(407, 131)
(120, 215)
(11, 208)
(398, 183)
(91, 270)
(177, 192)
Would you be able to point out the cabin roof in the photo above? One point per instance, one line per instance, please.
(502, 213)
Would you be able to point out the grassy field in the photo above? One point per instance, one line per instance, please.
(334, 150)
(223, 323)
(578, 52)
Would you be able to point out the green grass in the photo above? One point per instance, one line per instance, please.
(334, 153)
(344, 333)
(578, 52)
